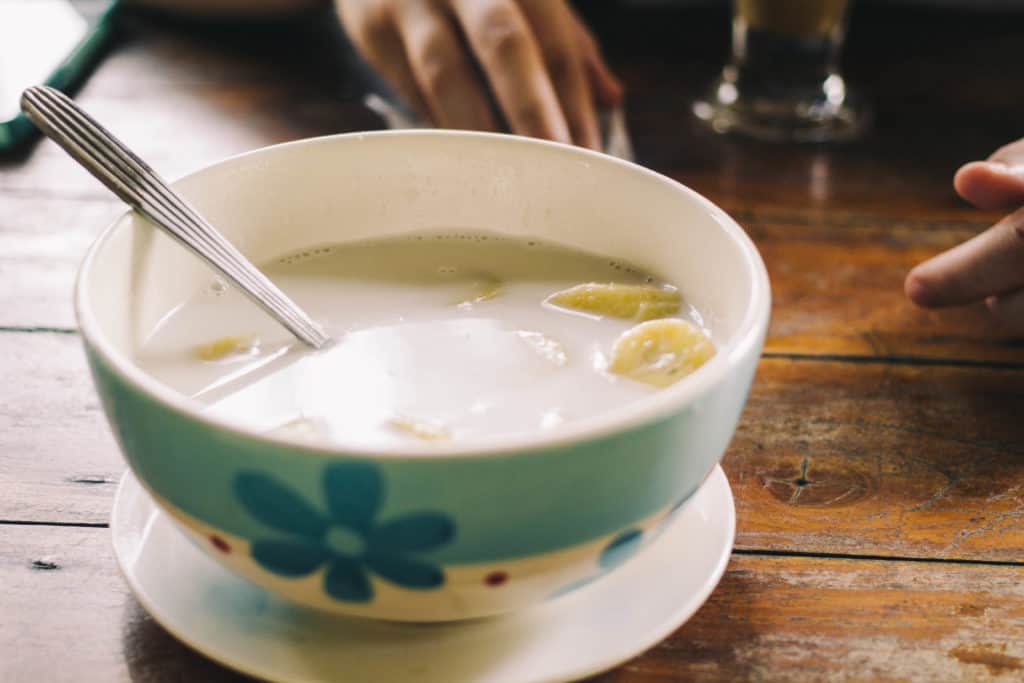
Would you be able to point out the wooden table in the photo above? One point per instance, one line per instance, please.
(879, 467)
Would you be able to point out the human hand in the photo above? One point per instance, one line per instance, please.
(445, 57)
(990, 266)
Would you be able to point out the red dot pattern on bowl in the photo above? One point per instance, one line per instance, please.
(220, 544)
(495, 579)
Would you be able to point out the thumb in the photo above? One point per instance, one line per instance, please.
(997, 183)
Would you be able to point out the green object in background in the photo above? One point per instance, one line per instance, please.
(54, 42)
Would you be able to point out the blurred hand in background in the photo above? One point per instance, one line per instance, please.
(450, 59)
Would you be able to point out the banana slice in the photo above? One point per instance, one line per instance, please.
(547, 348)
(660, 352)
(629, 302)
(304, 428)
(232, 345)
(426, 430)
(484, 288)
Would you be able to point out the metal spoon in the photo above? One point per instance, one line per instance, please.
(131, 179)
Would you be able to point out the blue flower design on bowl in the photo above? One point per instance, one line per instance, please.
(347, 538)
(620, 549)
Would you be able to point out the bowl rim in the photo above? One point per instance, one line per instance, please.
(632, 415)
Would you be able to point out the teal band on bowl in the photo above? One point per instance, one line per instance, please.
(503, 506)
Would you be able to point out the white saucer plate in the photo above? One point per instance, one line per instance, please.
(573, 636)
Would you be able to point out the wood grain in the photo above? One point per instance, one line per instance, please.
(840, 291)
(805, 619)
(881, 459)
(68, 616)
(797, 618)
(42, 242)
(58, 461)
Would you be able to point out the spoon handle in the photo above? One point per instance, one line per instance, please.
(139, 186)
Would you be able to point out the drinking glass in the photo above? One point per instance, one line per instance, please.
(783, 81)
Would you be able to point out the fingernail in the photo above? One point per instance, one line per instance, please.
(1015, 170)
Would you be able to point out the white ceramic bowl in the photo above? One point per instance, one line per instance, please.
(476, 528)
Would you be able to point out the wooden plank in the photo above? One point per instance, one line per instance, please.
(895, 460)
(71, 617)
(58, 461)
(806, 619)
(42, 242)
(845, 297)
(68, 616)
(901, 460)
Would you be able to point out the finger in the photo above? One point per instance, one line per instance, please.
(451, 89)
(991, 184)
(1010, 154)
(607, 89)
(989, 264)
(998, 182)
(555, 32)
(373, 31)
(510, 57)
(1008, 309)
